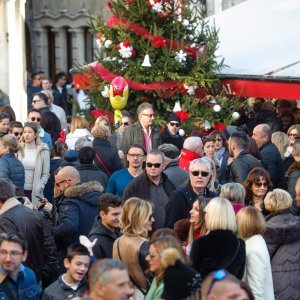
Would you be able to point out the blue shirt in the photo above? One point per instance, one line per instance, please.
(23, 287)
(118, 182)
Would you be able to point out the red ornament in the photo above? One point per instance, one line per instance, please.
(219, 126)
(98, 112)
(62, 137)
(182, 115)
(158, 41)
(128, 1)
(184, 89)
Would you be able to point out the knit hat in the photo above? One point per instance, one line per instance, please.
(169, 150)
(173, 117)
(180, 280)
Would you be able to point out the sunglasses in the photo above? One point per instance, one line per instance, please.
(152, 255)
(33, 119)
(148, 115)
(218, 140)
(174, 124)
(35, 101)
(125, 123)
(203, 173)
(293, 135)
(218, 276)
(17, 133)
(260, 184)
(150, 165)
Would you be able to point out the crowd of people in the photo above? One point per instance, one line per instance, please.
(146, 213)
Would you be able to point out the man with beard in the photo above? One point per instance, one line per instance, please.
(170, 134)
(120, 179)
(243, 162)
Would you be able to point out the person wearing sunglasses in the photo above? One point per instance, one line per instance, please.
(220, 248)
(143, 132)
(170, 134)
(33, 87)
(35, 158)
(116, 136)
(182, 199)
(221, 285)
(16, 129)
(34, 116)
(10, 167)
(152, 185)
(282, 236)
(257, 184)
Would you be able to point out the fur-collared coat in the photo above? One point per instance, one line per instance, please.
(76, 209)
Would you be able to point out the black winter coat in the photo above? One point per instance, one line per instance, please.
(106, 238)
(272, 162)
(89, 172)
(282, 236)
(76, 209)
(181, 202)
(167, 138)
(219, 249)
(109, 156)
(42, 255)
(241, 166)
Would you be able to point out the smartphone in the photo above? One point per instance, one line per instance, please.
(42, 200)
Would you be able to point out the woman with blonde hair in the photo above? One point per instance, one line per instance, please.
(219, 248)
(35, 158)
(132, 247)
(79, 128)
(156, 266)
(282, 236)
(10, 167)
(106, 158)
(282, 142)
(258, 274)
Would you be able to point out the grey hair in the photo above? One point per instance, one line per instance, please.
(266, 130)
(83, 142)
(234, 192)
(204, 161)
(209, 162)
(101, 271)
(192, 142)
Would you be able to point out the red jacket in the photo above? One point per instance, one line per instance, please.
(186, 157)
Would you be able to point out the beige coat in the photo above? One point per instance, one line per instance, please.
(41, 172)
(129, 247)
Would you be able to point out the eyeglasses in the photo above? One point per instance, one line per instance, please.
(151, 254)
(125, 123)
(174, 124)
(33, 119)
(35, 101)
(260, 184)
(136, 155)
(148, 115)
(11, 253)
(217, 276)
(150, 165)
(218, 140)
(196, 173)
(293, 135)
(17, 133)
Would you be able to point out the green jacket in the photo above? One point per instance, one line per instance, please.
(133, 135)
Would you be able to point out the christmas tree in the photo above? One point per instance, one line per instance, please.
(165, 50)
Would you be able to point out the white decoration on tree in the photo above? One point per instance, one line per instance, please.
(107, 43)
(146, 62)
(235, 115)
(177, 106)
(181, 56)
(181, 132)
(217, 108)
(185, 23)
(105, 92)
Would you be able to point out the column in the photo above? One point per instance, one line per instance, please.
(41, 50)
(60, 49)
(16, 57)
(78, 46)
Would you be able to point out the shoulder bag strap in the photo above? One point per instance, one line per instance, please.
(103, 164)
(235, 254)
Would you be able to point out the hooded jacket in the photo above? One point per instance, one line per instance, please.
(106, 238)
(186, 156)
(76, 210)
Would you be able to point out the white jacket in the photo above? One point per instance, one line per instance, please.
(258, 273)
(73, 137)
